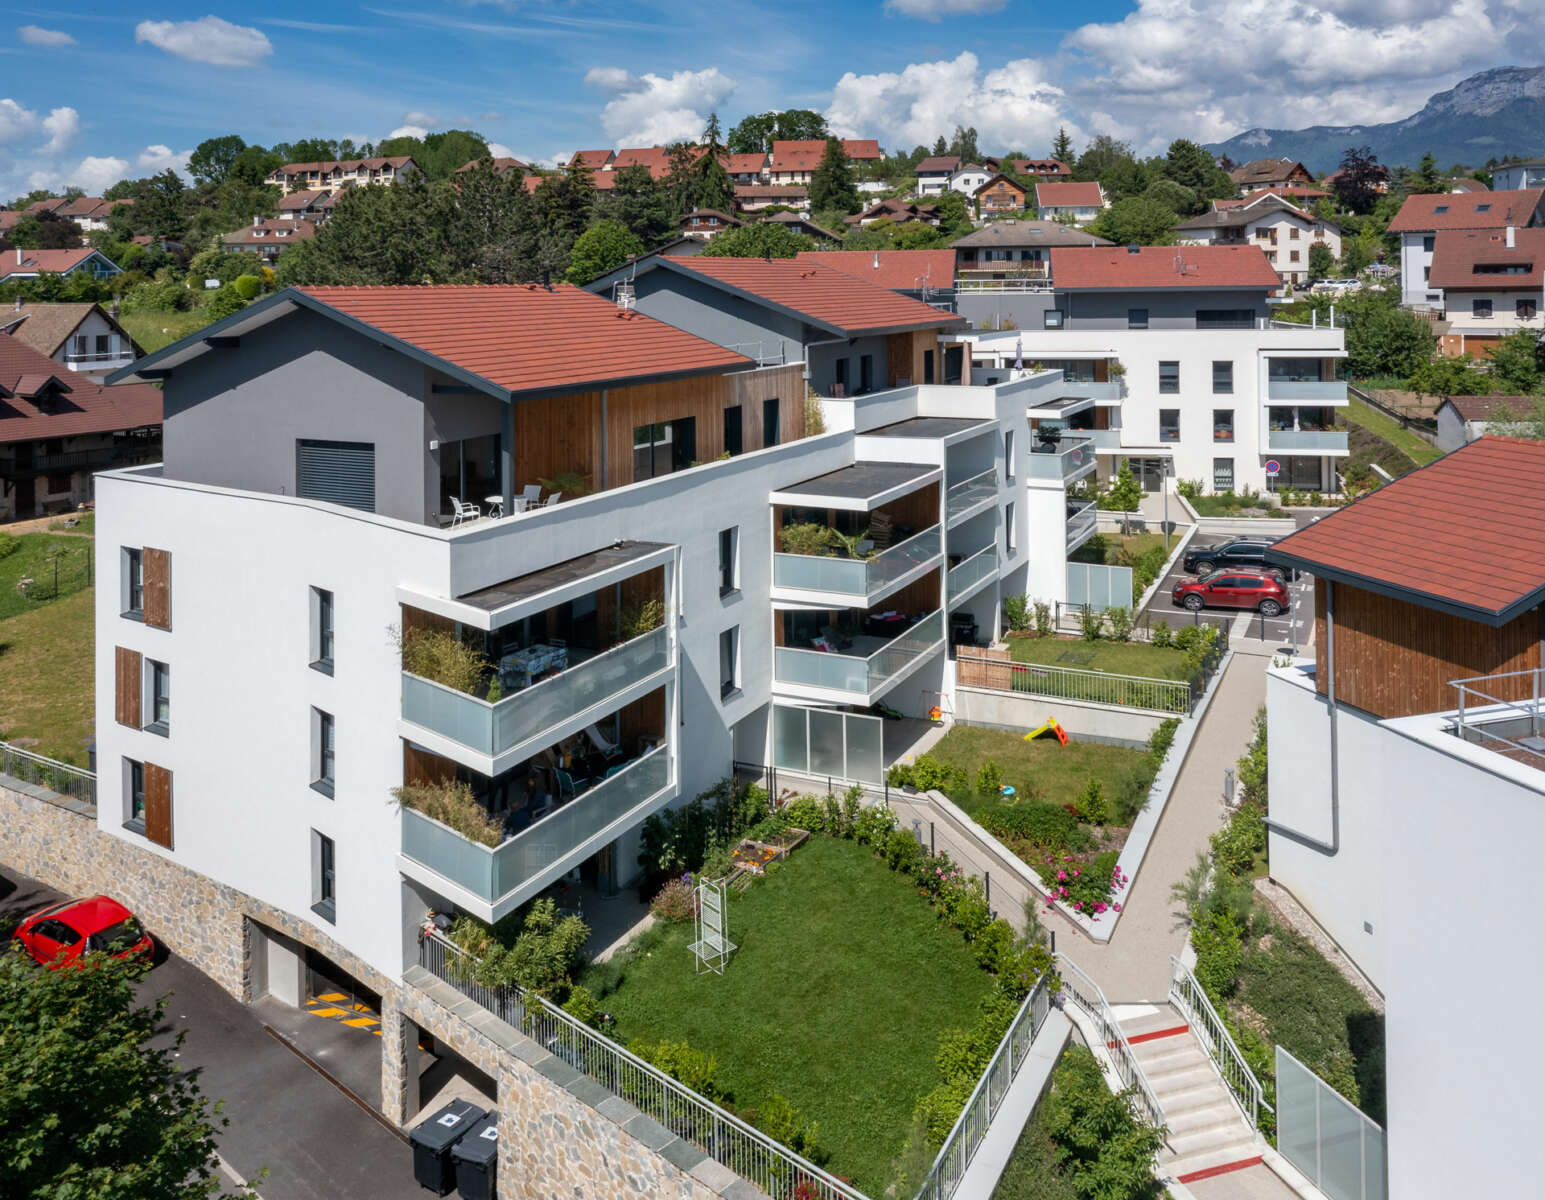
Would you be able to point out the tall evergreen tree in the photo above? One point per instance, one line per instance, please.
(1062, 146)
(831, 184)
(1425, 180)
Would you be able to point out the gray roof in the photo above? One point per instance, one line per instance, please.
(928, 427)
(1001, 235)
(1238, 216)
(512, 591)
(861, 482)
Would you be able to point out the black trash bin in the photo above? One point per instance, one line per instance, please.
(477, 1158)
(432, 1142)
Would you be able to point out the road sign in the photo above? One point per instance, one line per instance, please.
(1273, 468)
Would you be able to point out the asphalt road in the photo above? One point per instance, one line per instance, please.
(290, 1132)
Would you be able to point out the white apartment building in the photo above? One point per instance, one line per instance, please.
(1283, 231)
(968, 179)
(1422, 217)
(339, 173)
(1408, 793)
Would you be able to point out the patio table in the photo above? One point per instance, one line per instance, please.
(518, 668)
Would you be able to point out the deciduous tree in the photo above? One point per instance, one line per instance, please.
(1136, 221)
(1356, 185)
(759, 240)
(603, 247)
(213, 158)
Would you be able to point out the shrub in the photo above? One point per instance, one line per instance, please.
(1189, 488)
(1042, 619)
(693, 1068)
(903, 852)
(1252, 767)
(452, 803)
(806, 812)
(439, 655)
(1218, 939)
(852, 805)
(1016, 612)
(582, 1006)
(872, 825)
(675, 903)
(248, 286)
(1163, 635)
(1047, 826)
(224, 303)
(1091, 621)
(962, 1056)
(1121, 622)
(927, 774)
(989, 779)
(1091, 803)
(9, 544)
(1235, 846)
(165, 296)
(807, 538)
(1102, 1148)
(638, 619)
(534, 948)
(784, 1123)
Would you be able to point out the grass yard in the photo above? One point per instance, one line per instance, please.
(1119, 658)
(85, 525)
(1391, 431)
(154, 328)
(1230, 505)
(1054, 773)
(33, 558)
(1107, 547)
(835, 1000)
(47, 678)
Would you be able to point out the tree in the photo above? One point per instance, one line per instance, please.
(703, 181)
(1173, 196)
(1322, 263)
(1136, 221)
(377, 235)
(642, 204)
(254, 165)
(1518, 362)
(1356, 184)
(88, 1108)
(763, 239)
(1102, 1150)
(1442, 376)
(1425, 180)
(1062, 146)
(799, 124)
(1125, 494)
(753, 134)
(1192, 167)
(493, 233)
(603, 247)
(213, 158)
(940, 146)
(45, 231)
(831, 184)
(963, 144)
(1102, 154)
(1382, 338)
(954, 215)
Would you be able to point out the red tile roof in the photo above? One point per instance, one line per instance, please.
(771, 191)
(1459, 256)
(1466, 210)
(87, 408)
(656, 158)
(593, 159)
(527, 338)
(347, 164)
(32, 262)
(898, 270)
(803, 155)
(501, 166)
(1162, 267)
(302, 200)
(823, 295)
(1462, 533)
(1068, 195)
(1484, 408)
(862, 149)
(286, 230)
(744, 164)
(942, 164)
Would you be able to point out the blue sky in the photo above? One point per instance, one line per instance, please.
(541, 78)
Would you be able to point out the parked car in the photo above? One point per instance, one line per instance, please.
(57, 936)
(1256, 590)
(1249, 553)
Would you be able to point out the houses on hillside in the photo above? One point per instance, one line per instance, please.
(1271, 173)
(269, 238)
(1000, 195)
(934, 174)
(334, 174)
(1423, 218)
(82, 337)
(1491, 282)
(17, 264)
(790, 163)
(898, 212)
(1072, 203)
(1013, 250)
(1283, 230)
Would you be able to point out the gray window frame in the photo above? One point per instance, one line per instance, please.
(132, 593)
(324, 877)
(1169, 383)
(134, 795)
(729, 662)
(158, 694)
(324, 752)
(1175, 424)
(1228, 365)
(1136, 321)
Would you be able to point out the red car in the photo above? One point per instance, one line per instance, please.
(1233, 589)
(58, 936)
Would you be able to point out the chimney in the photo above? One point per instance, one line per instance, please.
(876, 260)
(18, 256)
(1511, 240)
(256, 220)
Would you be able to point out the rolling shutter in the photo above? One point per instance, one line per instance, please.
(158, 805)
(156, 572)
(127, 687)
(337, 472)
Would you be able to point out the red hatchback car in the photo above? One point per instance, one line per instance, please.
(58, 936)
(1233, 589)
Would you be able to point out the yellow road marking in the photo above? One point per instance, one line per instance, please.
(362, 1022)
(332, 996)
(326, 1012)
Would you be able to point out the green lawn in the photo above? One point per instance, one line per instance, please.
(1229, 505)
(154, 328)
(85, 524)
(1107, 547)
(1119, 658)
(34, 559)
(1391, 431)
(1043, 768)
(47, 678)
(835, 1000)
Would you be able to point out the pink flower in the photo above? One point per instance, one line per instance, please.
(1078, 904)
(1100, 906)
(1076, 873)
(1117, 907)
(1064, 874)
(1063, 892)
(1067, 858)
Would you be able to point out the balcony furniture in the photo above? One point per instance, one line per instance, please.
(604, 746)
(835, 637)
(532, 495)
(887, 624)
(881, 529)
(520, 668)
(495, 506)
(462, 511)
(568, 786)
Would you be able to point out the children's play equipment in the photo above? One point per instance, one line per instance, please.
(938, 706)
(1052, 725)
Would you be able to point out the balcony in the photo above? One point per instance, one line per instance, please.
(966, 497)
(107, 361)
(1089, 389)
(857, 581)
(854, 678)
(493, 880)
(965, 576)
(1106, 439)
(543, 712)
(1311, 391)
(1304, 441)
(1081, 524)
(1063, 461)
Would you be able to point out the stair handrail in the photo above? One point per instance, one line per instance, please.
(1085, 992)
(1191, 1000)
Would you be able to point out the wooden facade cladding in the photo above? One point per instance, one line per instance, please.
(904, 361)
(128, 687)
(158, 805)
(156, 574)
(424, 768)
(1396, 659)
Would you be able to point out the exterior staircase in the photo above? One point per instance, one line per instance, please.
(1208, 1135)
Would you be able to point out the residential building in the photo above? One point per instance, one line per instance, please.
(1300, 196)
(1462, 419)
(82, 337)
(1466, 184)
(746, 169)
(898, 212)
(1014, 251)
(1078, 203)
(656, 158)
(1409, 743)
(801, 224)
(934, 172)
(1518, 176)
(89, 212)
(752, 197)
(968, 179)
(1037, 168)
(315, 205)
(339, 173)
(19, 264)
(1283, 230)
(269, 237)
(1491, 282)
(1422, 217)
(927, 275)
(1271, 172)
(795, 161)
(704, 224)
(502, 165)
(862, 150)
(999, 195)
(591, 160)
(57, 427)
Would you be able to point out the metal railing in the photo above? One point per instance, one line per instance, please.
(1312, 440)
(949, 1167)
(1092, 687)
(1066, 460)
(1086, 993)
(968, 493)
(969, 572)
(852, 674)
(1511, 700)
(1187, 995)
(758, 352)
(859, 578)
(751, 1154)
(1311, 390)
(1036, 283)
(62, 778)
(1082, 522)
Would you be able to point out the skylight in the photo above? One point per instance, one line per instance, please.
(1442, 208)
(1483, 208)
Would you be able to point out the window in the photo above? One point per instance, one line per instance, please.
(1480, 309)
(132, 586)
(865, 373)
(928, 366)
(1169, 378)
(729, 666)
(337, 472)
(324, 877)
(1480, 208)
(1223, 424)
(1008, 456)
(732, 442)
(322, 752)
(1293, 254)
(1526, 310)
(1293, 234)
(1010, 534)
(78, 344)
(1223, 474)
(1051, 319)
(322, 630)
(1222, 378)
(840, 388)
(769, 423)
(1443, 208)
(1225, 318)
(160, 681)
(1169, 424)
(104, 344)
(134, 795)
(1428, 242)
(1137, 318)
(729, 543)
(1501, 268)
(664, 447)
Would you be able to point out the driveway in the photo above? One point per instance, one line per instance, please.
(315, 1142)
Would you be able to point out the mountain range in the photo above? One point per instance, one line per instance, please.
(1498, 112)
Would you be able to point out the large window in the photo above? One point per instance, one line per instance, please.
(729, 567)
(1225, 318)
(1169, 378)
(133, 588)
(1480, 309)
(1169, 424)
(324, 877)
(1051, 318)
(160, 686)
(322, 630)
(1137, 318)
(1223, 424)
(1526, 310)
(729, 661)
(732, 439)
(322, 751)
(664, 447)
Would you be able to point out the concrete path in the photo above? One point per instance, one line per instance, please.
(1134, 965)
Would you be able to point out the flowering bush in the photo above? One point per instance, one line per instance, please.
(1090, 887)
(674, 903)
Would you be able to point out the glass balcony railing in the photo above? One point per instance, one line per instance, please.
(1089, 389)
(859, 677)
(1081, 524)
(859, 578)
(964, 576)
(1305, 441)
(966, 495)
(1312, 391)
(493, 872)
(494, 728)
(1070, 459)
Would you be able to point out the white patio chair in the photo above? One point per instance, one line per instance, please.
(462, 511)
(553, 499)
(531, 494)
(601, 742)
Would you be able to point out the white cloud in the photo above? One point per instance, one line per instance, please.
(1012, 107)
(61, 125)
(16, 122)
(34, 35)
(937, 10)
(414, 117)
(152, 160)
(500, 150)
(490, 116)
(412, 131)
(93, 174)
(648, 110)
(207, 40)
